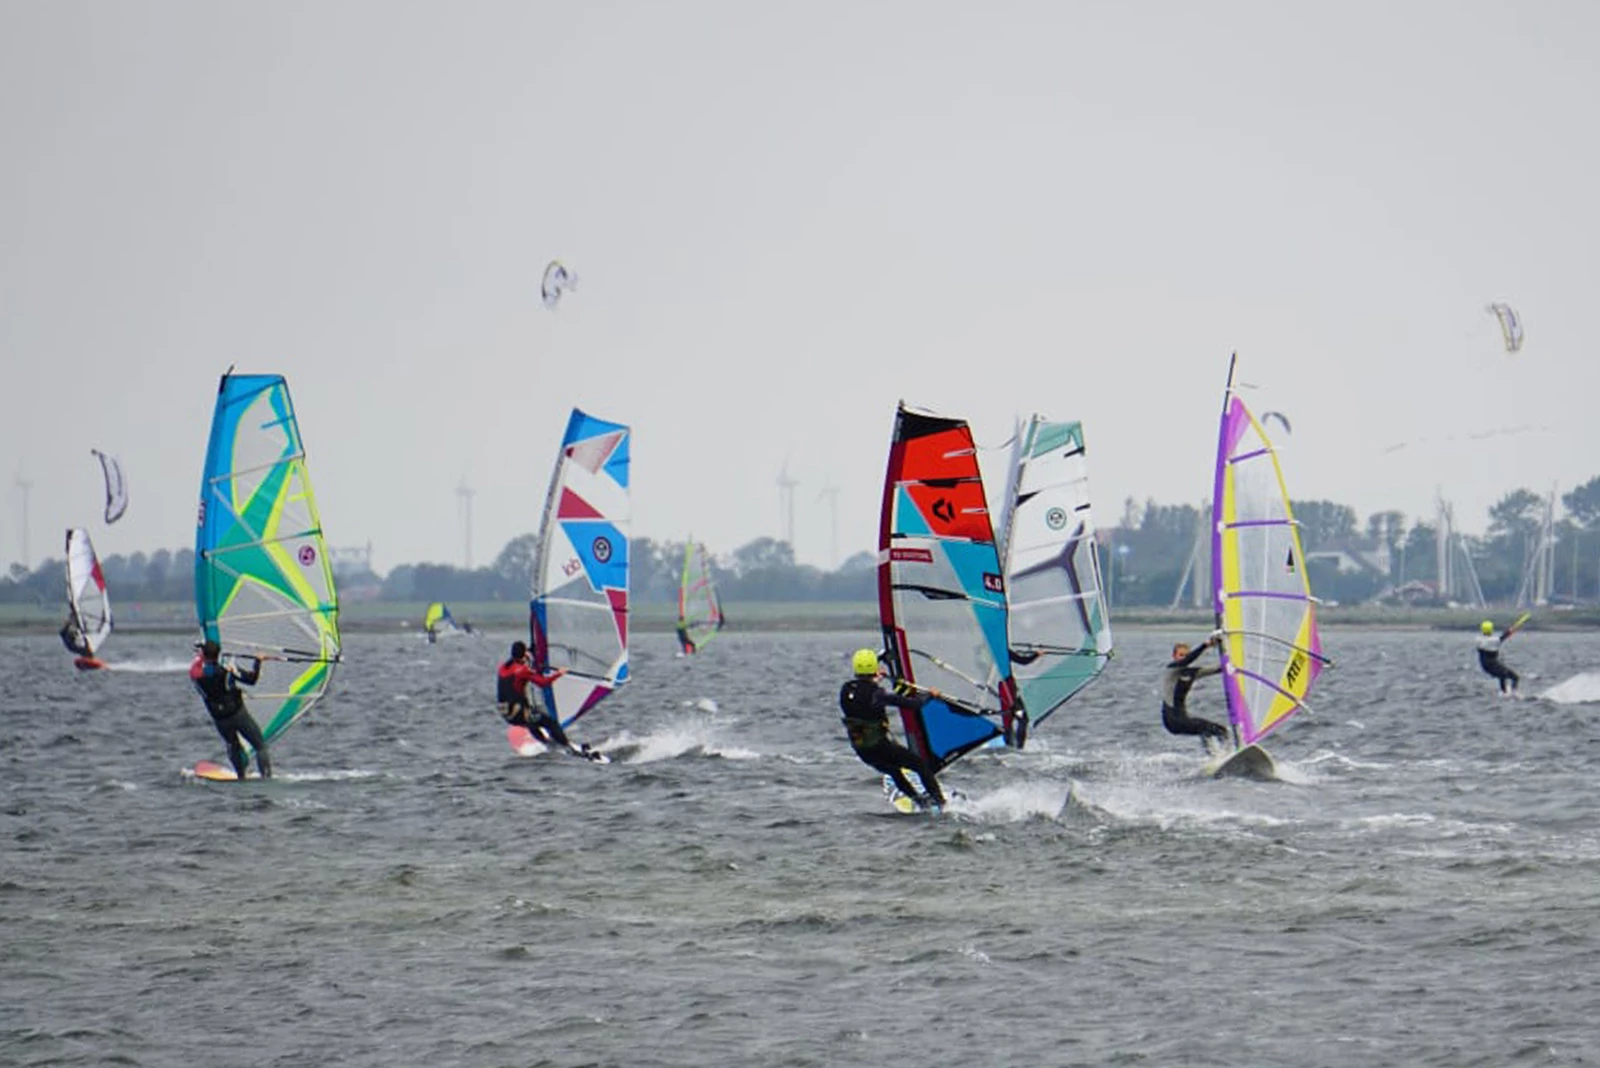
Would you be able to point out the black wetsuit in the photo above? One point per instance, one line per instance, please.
(74, 640)
(219, 686)
(1489, 660)
(685, 642)
(1179, 676)
(866, 719)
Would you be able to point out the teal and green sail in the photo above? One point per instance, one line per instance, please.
(263, 581)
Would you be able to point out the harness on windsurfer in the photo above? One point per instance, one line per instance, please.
(1180, 674)
(865, 705)
(1489, 656)
(518, 707)
(218, 685)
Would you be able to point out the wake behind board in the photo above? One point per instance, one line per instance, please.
(523, 743)
(1250, 762)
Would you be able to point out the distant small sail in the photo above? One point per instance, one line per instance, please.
(116, 486)
(699, 608)
(89, 619)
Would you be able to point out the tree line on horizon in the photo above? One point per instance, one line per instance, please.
(1144, 559)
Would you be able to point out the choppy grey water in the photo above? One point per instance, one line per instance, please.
(734, 891)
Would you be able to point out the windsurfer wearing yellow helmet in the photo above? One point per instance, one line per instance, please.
(1489, 656)
(865, 705)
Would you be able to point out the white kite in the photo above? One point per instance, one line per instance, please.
(116, 486)
(557, 280)
(1510, 325)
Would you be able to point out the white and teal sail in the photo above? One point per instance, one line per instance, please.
(263, 581)
(1060, 629)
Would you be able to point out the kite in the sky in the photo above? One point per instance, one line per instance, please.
(557, 280)
(116, 486)
(1510, 325)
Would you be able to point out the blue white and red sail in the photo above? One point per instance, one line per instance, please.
(580, 576)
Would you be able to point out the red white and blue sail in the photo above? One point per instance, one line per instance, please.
(941, 593)
(580, 576)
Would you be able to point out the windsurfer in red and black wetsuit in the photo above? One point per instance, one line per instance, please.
(517, 706)
(219, 686)
(866, 720)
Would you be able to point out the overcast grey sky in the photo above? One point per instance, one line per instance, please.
(785, 218)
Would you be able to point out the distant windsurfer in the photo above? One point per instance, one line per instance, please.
(1489, 656)
(519, 708)
(72, 637)
(218, 684)
(685, 643)
(865, 705)
(1179, 676)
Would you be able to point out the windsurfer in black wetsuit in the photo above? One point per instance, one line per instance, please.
(866, 720)
(518, 707)
(74, 639)
(1179, 676)
(219, 687)
(1489, 657)
(685, 643)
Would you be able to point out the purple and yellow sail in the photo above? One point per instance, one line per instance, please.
(1271, 650)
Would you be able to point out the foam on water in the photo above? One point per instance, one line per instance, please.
(1581, 689)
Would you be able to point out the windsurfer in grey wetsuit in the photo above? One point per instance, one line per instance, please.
(1179, 676)
(866, 720)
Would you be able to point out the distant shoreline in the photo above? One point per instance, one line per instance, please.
(378, 617)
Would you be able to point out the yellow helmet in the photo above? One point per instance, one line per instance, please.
(865, 662)
(1486, 626)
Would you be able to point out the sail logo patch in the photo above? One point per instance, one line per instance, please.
(307, 555)
(1291, 674)
(993, 583)
(1055, 518)
(601, 546)
(943, 510)
(913, 556)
